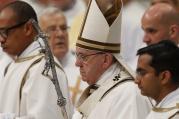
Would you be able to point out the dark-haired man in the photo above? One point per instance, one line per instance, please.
(158, 78)
(25, 93)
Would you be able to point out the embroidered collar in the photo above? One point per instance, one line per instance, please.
(112, 71)
(27, 58)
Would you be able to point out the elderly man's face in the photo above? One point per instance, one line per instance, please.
(90, 64)
(56, 26)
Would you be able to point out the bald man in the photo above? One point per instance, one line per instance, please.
(160, 21)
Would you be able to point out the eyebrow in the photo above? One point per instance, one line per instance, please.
(79, 53)
(139, 70)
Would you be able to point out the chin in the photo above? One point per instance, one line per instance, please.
(143, 93)
(10, 53)
(89, 83)
(59, 55)
(85, 80)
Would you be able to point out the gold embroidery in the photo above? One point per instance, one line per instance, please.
(97, 45)
(76, 90)
(27, 58)
(25, 78)
(155, 109)
(113, 87)
(176, 114)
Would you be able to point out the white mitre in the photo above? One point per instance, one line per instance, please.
(101, 30)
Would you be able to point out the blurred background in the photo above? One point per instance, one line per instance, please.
(74, 11)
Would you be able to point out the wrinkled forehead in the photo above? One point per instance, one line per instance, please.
(58, 18)
(52, 20)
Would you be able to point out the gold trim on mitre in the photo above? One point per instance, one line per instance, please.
(94, 45)
(106, 37)
(85, 17)
(155, 109)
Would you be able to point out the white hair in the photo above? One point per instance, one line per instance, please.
(51, 10)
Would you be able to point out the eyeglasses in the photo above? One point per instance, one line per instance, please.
(4, 31)
(53, 29)
(84, 58)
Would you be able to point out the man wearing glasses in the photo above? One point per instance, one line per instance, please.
(53, 22)
(112, 93)
(25, 92)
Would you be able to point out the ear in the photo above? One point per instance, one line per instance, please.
(165, 77)
(28, 28)
(108, 59)
(174, 32)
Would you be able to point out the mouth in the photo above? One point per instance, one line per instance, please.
(140, 87)
(83, 76)
(3, 46)
(149, 43)
(82, 72)
(4, 49)
(59, 41)
(59, 44)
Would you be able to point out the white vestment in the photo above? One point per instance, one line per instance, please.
(168, 108)
(4, 62)
(116, 98)
(27, 94)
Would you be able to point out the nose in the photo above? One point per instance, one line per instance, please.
(78, 63)
(146, 39)
(59, 32)
(137, 80)
(2, 39)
